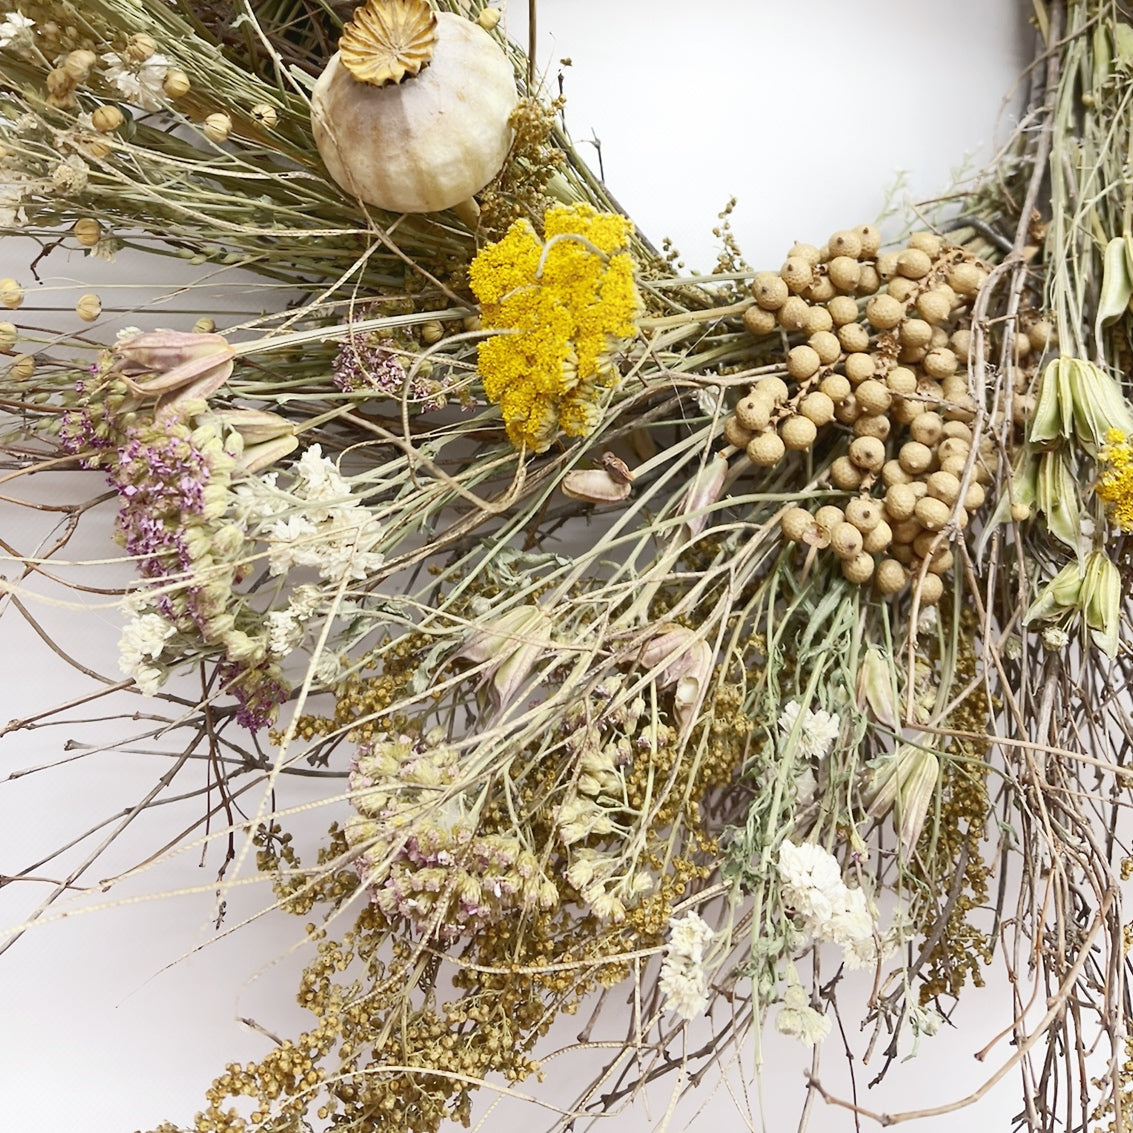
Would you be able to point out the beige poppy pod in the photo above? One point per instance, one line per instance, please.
(412, 113)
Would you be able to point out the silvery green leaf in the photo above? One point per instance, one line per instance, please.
(1117, 286)
(1057, 496)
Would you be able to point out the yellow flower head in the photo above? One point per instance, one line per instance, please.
(562, 306)
(1115, 484)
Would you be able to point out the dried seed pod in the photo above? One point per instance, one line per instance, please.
(959, 430)
(927, 428)
(836, 387)
(792, 315)
(872, 425)
(915, 457)
(927, 543)
(931, 513)
(736, 434)
(808, 252)
(796, 273)
(489, 18)
(798, 433)
(930, 589)
(966, 279)
(769, 290)
(915, 332)
(941, 363)
(826, 346)
(961, 408)
(88, 307)
(844, 272)
(869, 281)
(766, 449)
(845, 540)
(886, 265)
(893, 473)
(754, 411)
(906, 531)
(817, 319)
(954, 464)
(266, 115)
(176, 83)
(858, 366)
(901, 289)
(901, 380)
(935, 305)
(974, 497)
(942, 561)
(22, 368)
(927, 242)
(884, 312)
(8, 337)
(817, 406)
(204, 325)
(944, 486)
(11, 293)
(796, 523)
(876, 541)
(842, 310)
(873, 396)
(845, 475)
(759, 322)
(87, 231)
(847, 410)
(859, 569)
(773, 387)
(912, 263)
(217, 127)
(828, 517)
(107, 119)
(868, 453)
(870, 239)
(953, 447)
(821, 290)
(900, 502)
(802, 362)
(864, 513)
(845, 243)
(853, 337)
(1042, 335)
(890, 576)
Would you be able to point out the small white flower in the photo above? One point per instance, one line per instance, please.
(140, 84)
(15, 30)
(143, 640)
(812, 880)
(797, 1018)
(684, 978)
(817, 731)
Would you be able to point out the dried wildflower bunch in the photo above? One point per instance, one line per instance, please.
(847, 630)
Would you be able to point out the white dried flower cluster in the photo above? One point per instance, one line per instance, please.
(141, 642)
(15, 30)
(138, 83)
(825, 907)
(797, 1018)
(816, 732)
(684, 977)
(316, 522)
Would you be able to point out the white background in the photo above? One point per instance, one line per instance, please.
(807, 112)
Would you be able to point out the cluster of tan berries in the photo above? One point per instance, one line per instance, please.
(885, 342)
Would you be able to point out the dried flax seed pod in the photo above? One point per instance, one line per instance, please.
(817, 407)
(845, 540)
(877, 540)
(845, 475)
(912, 263)
(836, 387)
(736, 434)
(867, 453)
(844, 273)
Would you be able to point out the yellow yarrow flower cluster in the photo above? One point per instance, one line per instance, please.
(1115, 484)
(562, 306)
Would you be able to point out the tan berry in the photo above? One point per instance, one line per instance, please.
(853, 337)
(974, 497)
(958, 429)
(817, 319)
(798, 433)
(944, 486)
(1020, 513)
(845, 243)
(847, 410)
(890, 576)
(930, 589)
(877, 539)
(868, 453)
(940, 363)
(901, 380)
(912, 263)
(808, 252)
(826, 345)
(956, 465)
(927, 242)
(766, 449)
(842, 310)
(884, 312)
(769, 290)
(802, 362)
(915, 457)
(87, 231)
(828, 517)
(953, 447)
(753, 412)
(864, 513)
(935, 305)
(844, 272)
(773, 387)
(886, 265)
(845, 540)
(870, 239)
(796, 523)
(859, 569)
(961, 408)
(900, 502)
(966, 279)
(869, 281)
(845, 475)
(796, 273)
(872, 425)
(736, 434)
(927, 428)
(873, 396)
(792, 315)
(893, 473)
(961, 343)
(902, 289)
(1042, 335)
(905, 531)
(902, 552)
(905, 410)
(821, 290)
(836, 387)
(858, 366)
(759, 322)
(915, 332)
(931, 513)
(817, 407)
